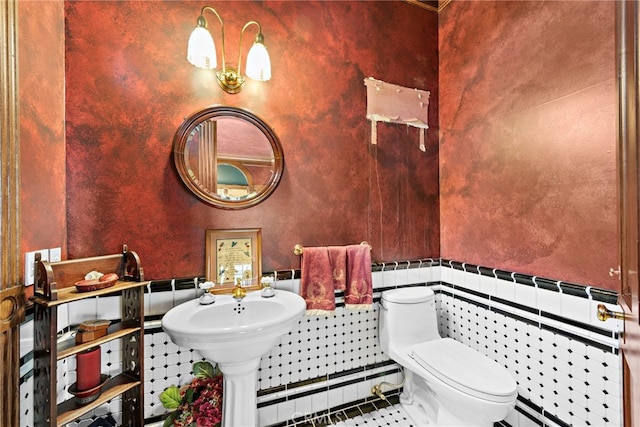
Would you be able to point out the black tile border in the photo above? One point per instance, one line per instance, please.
(528, 415)
(161, 286)
(365, 372)
(540, 313)
(271, 390)
(583, 340)
(540, 411)
(471, 268)
(383, 373)
(513, 304)
(486, 271)
(604, 295)
(515, 316)
(24, 378)
(600, 331)
(547, 284)
(503, 275)
(573, 289)
(346, 373)
(415, 264)
(26, 359)
(523, 279)
(470, 301)
(188, 283)
(284, 274)
(591, 328)
(555, 419)
(457, 265)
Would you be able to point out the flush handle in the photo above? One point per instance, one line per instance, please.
(604, 313)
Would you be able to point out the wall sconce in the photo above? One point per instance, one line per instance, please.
(201, 52)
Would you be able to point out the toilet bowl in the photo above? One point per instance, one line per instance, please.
(446, 382)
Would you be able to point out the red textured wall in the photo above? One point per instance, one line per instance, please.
(528, 139)
(128, 87)
(42, 147)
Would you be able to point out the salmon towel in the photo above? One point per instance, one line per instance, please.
(323, 271)
(359, 292)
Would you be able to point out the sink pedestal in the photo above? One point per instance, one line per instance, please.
(239, 393)
(235, 335)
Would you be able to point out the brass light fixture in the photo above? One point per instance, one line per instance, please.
(201, 52)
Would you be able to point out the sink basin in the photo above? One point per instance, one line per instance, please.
(235, 335)
(228, 331)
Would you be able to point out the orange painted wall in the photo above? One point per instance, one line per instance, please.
(528, 137)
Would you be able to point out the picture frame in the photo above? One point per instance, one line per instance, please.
(234, 256)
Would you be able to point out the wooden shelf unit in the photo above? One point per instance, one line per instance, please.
(54, 286)
(68, 411)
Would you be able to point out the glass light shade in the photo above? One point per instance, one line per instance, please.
(201, 51)
(258, 63)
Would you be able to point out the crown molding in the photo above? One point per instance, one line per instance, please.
(441, 5)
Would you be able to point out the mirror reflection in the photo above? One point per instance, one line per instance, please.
(228, 157)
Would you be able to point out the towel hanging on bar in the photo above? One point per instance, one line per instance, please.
(325, 270)
(317, 282)
(359, 292)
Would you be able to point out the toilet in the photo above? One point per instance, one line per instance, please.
(446, 382)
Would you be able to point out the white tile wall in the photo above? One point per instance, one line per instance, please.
(559, 367)
(26, 400)
(566, 374)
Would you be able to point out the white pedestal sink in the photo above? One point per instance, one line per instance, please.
(235, 335)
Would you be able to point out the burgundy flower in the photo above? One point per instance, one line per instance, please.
(200, 403)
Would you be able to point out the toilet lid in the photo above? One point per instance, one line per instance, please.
(465, 369)
(411, 295)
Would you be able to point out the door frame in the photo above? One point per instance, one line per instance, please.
(627, 71)
(11, 291)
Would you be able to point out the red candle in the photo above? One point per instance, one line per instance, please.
(88, 366)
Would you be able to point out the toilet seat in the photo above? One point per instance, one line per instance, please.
(465, 369)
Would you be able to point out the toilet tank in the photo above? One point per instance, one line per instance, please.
(407, 317)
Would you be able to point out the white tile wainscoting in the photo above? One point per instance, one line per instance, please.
(545, 332)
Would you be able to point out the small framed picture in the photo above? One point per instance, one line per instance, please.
(234, 257)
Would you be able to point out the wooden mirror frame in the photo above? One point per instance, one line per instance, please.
(219, 111)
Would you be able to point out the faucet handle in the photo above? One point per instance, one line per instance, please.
(207, 297)
(267, 291)
(206, 285)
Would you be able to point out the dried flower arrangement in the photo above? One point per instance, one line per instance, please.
(198, 403)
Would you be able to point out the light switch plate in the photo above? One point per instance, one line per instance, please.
(55, 254)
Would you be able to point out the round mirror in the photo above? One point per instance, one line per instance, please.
(228, 157)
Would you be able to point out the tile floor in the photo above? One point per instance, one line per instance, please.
(375, 413)
(390, 416)
(371, 414)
